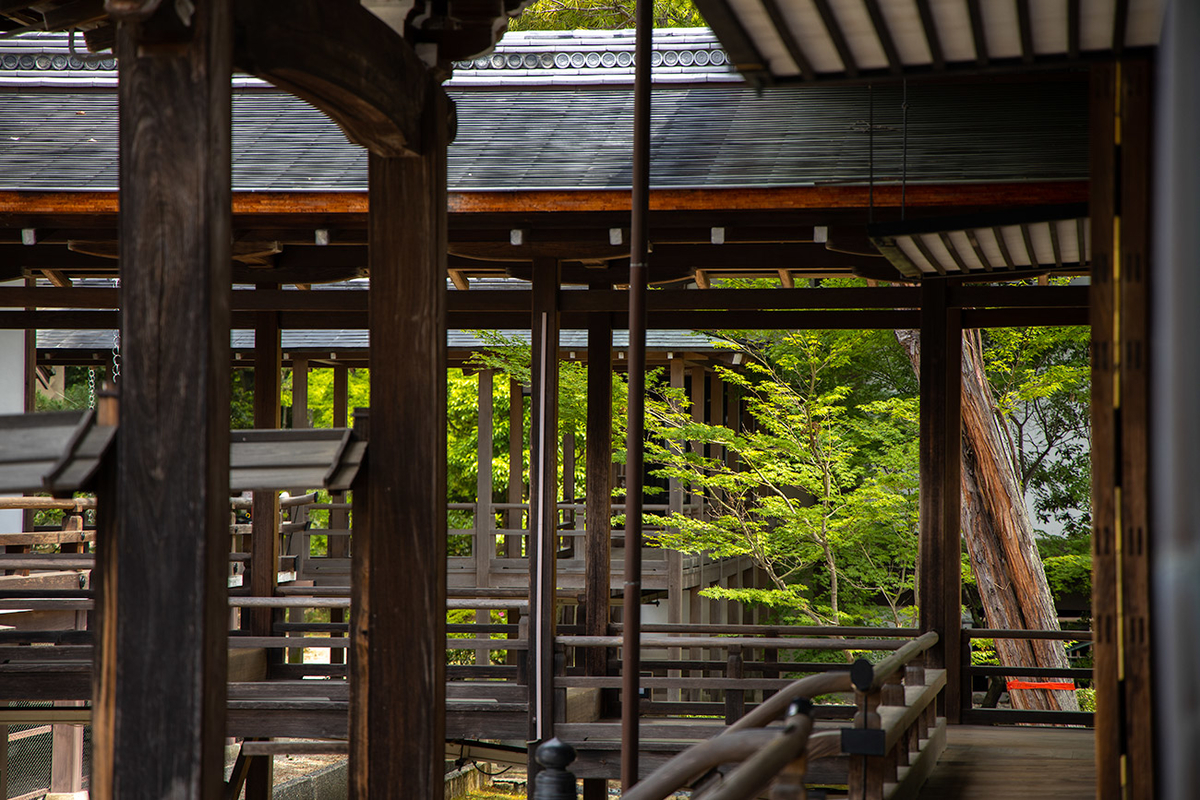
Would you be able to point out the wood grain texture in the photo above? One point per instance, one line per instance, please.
(161, 694)
(1105, 612)
(598, 486)
(367, 78)
(398, 627)
(1136, 533)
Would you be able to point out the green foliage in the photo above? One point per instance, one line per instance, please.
(1069, 574)
(820, 493)
(1042, 379)
(565, 15)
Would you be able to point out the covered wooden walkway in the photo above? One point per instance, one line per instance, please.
(986, 762)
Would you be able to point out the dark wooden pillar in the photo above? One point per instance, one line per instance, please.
(1135, 278)
(1120, 213)
(339, 546)
(1102, 301)
(516, 467)
(484, 546)
(939, 581)
(598, 515)
(398, 625)
(1174, 423)
(159, 721)
(264, 518)
(543, 497)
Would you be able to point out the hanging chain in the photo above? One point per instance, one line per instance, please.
(116, 356)
(91, 387)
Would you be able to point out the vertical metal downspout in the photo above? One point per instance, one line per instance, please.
(631, 607)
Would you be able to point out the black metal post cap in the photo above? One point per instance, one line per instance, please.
(555, 754)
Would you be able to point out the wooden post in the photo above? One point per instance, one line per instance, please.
(163, 551)
(1102, 300)
(516, 466)
(300, 396)
(338, 546)
(398, 626)
(543, 497)
(264, 515)
(1174, 424)
(939, 590)
(264, 519)
(1135, 276)
(298, 545)
(675, 598)
(598, 488)
(484, 545)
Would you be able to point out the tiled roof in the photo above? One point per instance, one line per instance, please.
(532, 58)
(579, 138)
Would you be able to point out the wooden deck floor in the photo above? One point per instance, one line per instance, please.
(1028, 763)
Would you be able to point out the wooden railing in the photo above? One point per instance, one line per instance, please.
(894, 741)
(1005, 716)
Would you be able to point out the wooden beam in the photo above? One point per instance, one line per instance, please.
(543, 497)
(737, 42)
(367, 78)
(159, 718)
(1026, 26)
(786, 280)
(978, 34)
(834, 29)
(397, 660)
(788, 37)
(884, 34)
(929, 26)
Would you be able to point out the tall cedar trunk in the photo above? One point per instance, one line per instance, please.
(999, 534)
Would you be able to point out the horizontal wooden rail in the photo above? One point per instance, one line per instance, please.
(77, 504)
(722, 642)
(996, 633)
(773, 630)
(295, 748)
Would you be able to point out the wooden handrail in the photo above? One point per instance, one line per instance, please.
(868, 677)
(77, 504)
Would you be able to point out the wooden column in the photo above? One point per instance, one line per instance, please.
(516, 467)
(264, 514)
(1120, 214)
(598, 498)
(484, 545)
(398, 625)
(543, 496)
(298, 544)
(675, 501)
(300, 393)
(939, 582)
(1102, 301)
(1174, 423)
(163, 554)
(598, 515)
(1135, 275)
(264, 519)
(339, 546)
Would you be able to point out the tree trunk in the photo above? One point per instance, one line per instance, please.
(999, 533)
